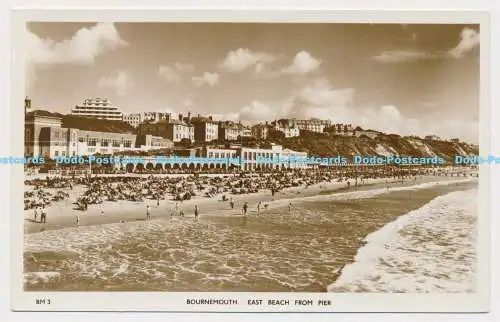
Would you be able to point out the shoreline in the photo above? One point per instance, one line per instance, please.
(222, 247)
(63, 215)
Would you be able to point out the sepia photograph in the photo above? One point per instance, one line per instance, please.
(325, 158)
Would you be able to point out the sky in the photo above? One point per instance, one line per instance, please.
(412, 79)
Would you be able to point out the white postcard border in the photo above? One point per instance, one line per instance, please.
(176, 302)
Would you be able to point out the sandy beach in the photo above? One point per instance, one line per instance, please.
(62, 214)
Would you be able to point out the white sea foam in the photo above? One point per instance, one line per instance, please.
(431, 249)
(371, 193)
(37, 277)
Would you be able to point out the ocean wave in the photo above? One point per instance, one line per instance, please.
(431, 249)
(274, 251)
(365, 194)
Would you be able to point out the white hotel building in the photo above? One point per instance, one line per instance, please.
(257, 158)
(100, 108)
(135, 119)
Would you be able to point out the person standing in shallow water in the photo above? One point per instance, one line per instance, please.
(231, 203)
(196, 212)
(148, 212)
(245, 208)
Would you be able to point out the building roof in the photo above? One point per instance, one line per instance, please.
(86, 123)
(228, 125)
(43, 113)
(201, 119)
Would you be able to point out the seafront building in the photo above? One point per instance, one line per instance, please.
(288, 127)
(341, 129)
(135, 119)
(228, 131)
(313, 124)
(100, 108)
(205, 129)
(261, 131)
(45, 136)
(169, 128)
(235, 157)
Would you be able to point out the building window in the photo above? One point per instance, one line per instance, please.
(105, 142)
(92, 142)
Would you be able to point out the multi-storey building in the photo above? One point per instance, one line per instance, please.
(172, 129)
(45, 136)
(100, 108)
(205, 129)
(244, 131)
(288, 127)
(260, 131)
(258, 158)
(134, 119)
(313, 124)
(228, 131)
(341, 129)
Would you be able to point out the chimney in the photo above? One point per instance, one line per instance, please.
(189, 116)
(27, 102)
(180, 117)
(210, 118)
(199, 115)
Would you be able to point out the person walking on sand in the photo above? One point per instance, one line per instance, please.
(176, 209)
(196, 212)
(43, 215)
(245, 208)
(157, 201)
(35, 212)
(148, 212)
(181, 210)
(231, 203)
(102, 209)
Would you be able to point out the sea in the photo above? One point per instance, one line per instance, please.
(408, 240)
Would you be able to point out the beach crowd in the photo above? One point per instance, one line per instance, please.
(154, 188)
